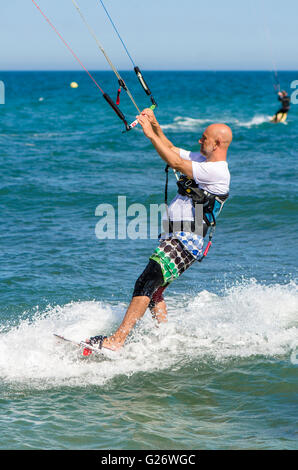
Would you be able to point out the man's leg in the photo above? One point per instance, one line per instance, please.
(135, 311)
(159, 312)
(149, 281)
(158, 306)
(171, 261)
(280, 115)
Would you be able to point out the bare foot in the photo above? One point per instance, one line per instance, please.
(112, 343)
(109, 343)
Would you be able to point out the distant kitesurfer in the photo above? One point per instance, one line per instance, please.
(282, 113)
(204, 183)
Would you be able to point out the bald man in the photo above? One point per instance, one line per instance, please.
(204, 182)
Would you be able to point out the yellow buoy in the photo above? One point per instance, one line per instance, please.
(74, 85)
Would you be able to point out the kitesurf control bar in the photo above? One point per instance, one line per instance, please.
(134, 123)
(117, 111)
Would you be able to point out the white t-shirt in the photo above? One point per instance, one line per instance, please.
(212, 176)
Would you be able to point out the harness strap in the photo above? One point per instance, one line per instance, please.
(188, 187)
(209, 244)
(166, 191)
(199, 193)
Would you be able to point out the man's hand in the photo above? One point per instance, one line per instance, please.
(166, 152)
(151, 116)
(144, 121)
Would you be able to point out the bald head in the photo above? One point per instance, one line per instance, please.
(215, 142)
(220, 132)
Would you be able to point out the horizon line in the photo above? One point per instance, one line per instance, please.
(147, 70)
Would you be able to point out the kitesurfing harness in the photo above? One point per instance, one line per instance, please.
(286, 102)
(212, 205)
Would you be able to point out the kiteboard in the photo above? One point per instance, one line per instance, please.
(280, 117)
(86, 348)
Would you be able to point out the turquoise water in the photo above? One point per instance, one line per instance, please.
(221, 374)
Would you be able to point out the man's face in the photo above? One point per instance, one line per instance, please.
(207, 144)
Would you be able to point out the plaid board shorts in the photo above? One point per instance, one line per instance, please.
(173, 258)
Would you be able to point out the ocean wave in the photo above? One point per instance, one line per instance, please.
(245, 321)
(185, 123)
(255, 121)
(181, 123)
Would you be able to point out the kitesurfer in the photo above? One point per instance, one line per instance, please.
(205, 180)
(281, 114)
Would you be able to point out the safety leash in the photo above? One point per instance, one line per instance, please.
(209, 244)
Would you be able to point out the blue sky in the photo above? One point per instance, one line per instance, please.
(160, 34)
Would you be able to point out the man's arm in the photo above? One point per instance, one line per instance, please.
(158, 130)
(170, 156)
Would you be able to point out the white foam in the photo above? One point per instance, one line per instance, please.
(255, 121)
(187, 123)
(245, 321)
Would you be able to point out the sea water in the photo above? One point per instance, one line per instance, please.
(222, 373)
